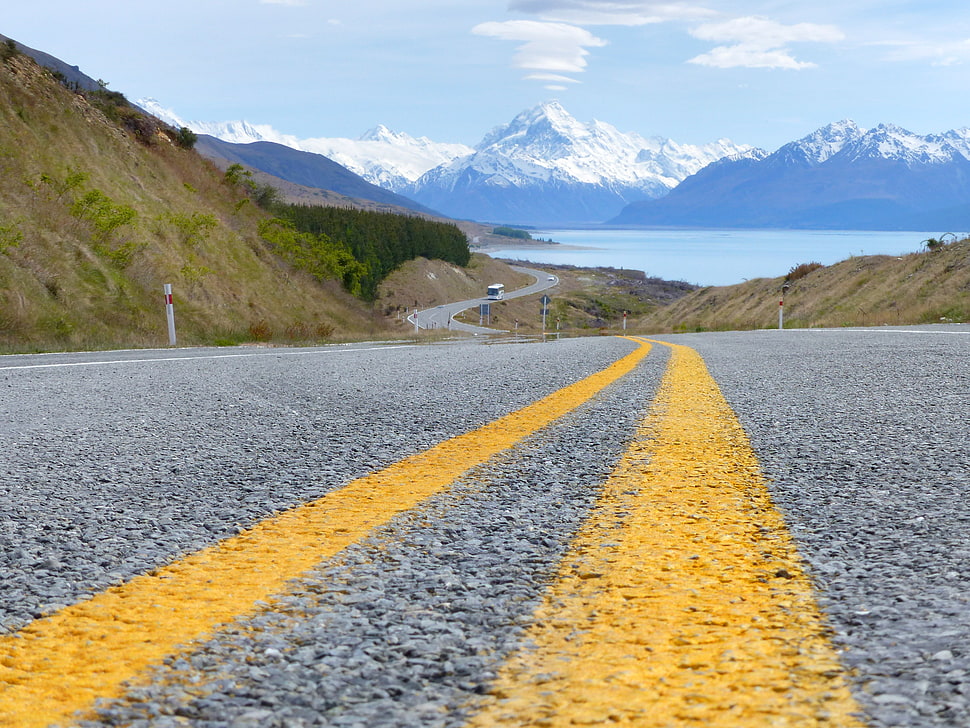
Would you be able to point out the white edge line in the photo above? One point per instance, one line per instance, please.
(193, 358)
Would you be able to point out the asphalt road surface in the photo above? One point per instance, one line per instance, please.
(442, 317)
(378, 535)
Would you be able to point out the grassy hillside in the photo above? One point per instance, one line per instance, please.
(925, 287)
(96, 217)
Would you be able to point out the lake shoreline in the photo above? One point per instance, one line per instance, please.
(702, 256)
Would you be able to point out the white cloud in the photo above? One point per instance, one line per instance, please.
(553, 82)
(550, 77)
(611, 12)
(944, 53)
(757, 42)
(546, 47)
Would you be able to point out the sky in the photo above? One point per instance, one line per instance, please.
(759, 72)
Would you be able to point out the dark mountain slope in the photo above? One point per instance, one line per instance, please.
(882, 179)
(302, 168)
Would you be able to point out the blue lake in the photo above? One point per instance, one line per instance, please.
(713, 257)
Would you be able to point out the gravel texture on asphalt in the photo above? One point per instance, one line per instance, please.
(408, 626)
(866, 436)
(109, 471)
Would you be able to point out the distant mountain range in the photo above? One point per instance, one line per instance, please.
(545, 169)
(838, 177)
(391, 160)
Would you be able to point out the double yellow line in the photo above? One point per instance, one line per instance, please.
(61, 664)
(682, 600)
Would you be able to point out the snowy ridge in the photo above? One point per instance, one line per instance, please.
(392, 160)
(822, 144)
(544, 163)
(888, 141)
(850, 143)
(547, 143)
(838, 177)
(545, 167)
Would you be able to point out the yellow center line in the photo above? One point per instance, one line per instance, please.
(682, 600)
(61, 664)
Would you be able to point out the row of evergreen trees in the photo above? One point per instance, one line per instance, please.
(379, 242)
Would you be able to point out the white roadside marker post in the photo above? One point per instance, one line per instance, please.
(170, 314)
(781, 307)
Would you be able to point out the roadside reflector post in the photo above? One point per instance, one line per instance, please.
(170, 314)
(545, 312)
(781, 307)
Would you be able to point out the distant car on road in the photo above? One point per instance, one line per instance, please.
(551, 278)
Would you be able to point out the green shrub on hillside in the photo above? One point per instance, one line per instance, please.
(193, 229)
(106, 218)
(10, 237)
(265, 196)
(320, 256)
(102, 213)
(8, 50)
(186, 138)
(800, 271)
(73, 180)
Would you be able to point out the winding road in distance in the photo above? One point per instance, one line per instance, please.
(742, 528)
(441, 317)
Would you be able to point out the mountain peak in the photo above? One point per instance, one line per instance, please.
(821, 144)
(545, 165)
(548, 124)
(381, 133)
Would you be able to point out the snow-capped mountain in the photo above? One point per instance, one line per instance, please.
(542, 167)
(820, 145)
(840, 176)
(392, 160)
(546, 167)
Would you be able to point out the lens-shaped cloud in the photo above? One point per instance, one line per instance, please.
(757, 42)
(610, 12)
(546, 47)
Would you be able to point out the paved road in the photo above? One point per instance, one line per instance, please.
(118, 467)
(442, 317)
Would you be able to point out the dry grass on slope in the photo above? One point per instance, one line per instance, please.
(68, 280)
(926, 287)
(427, 283)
